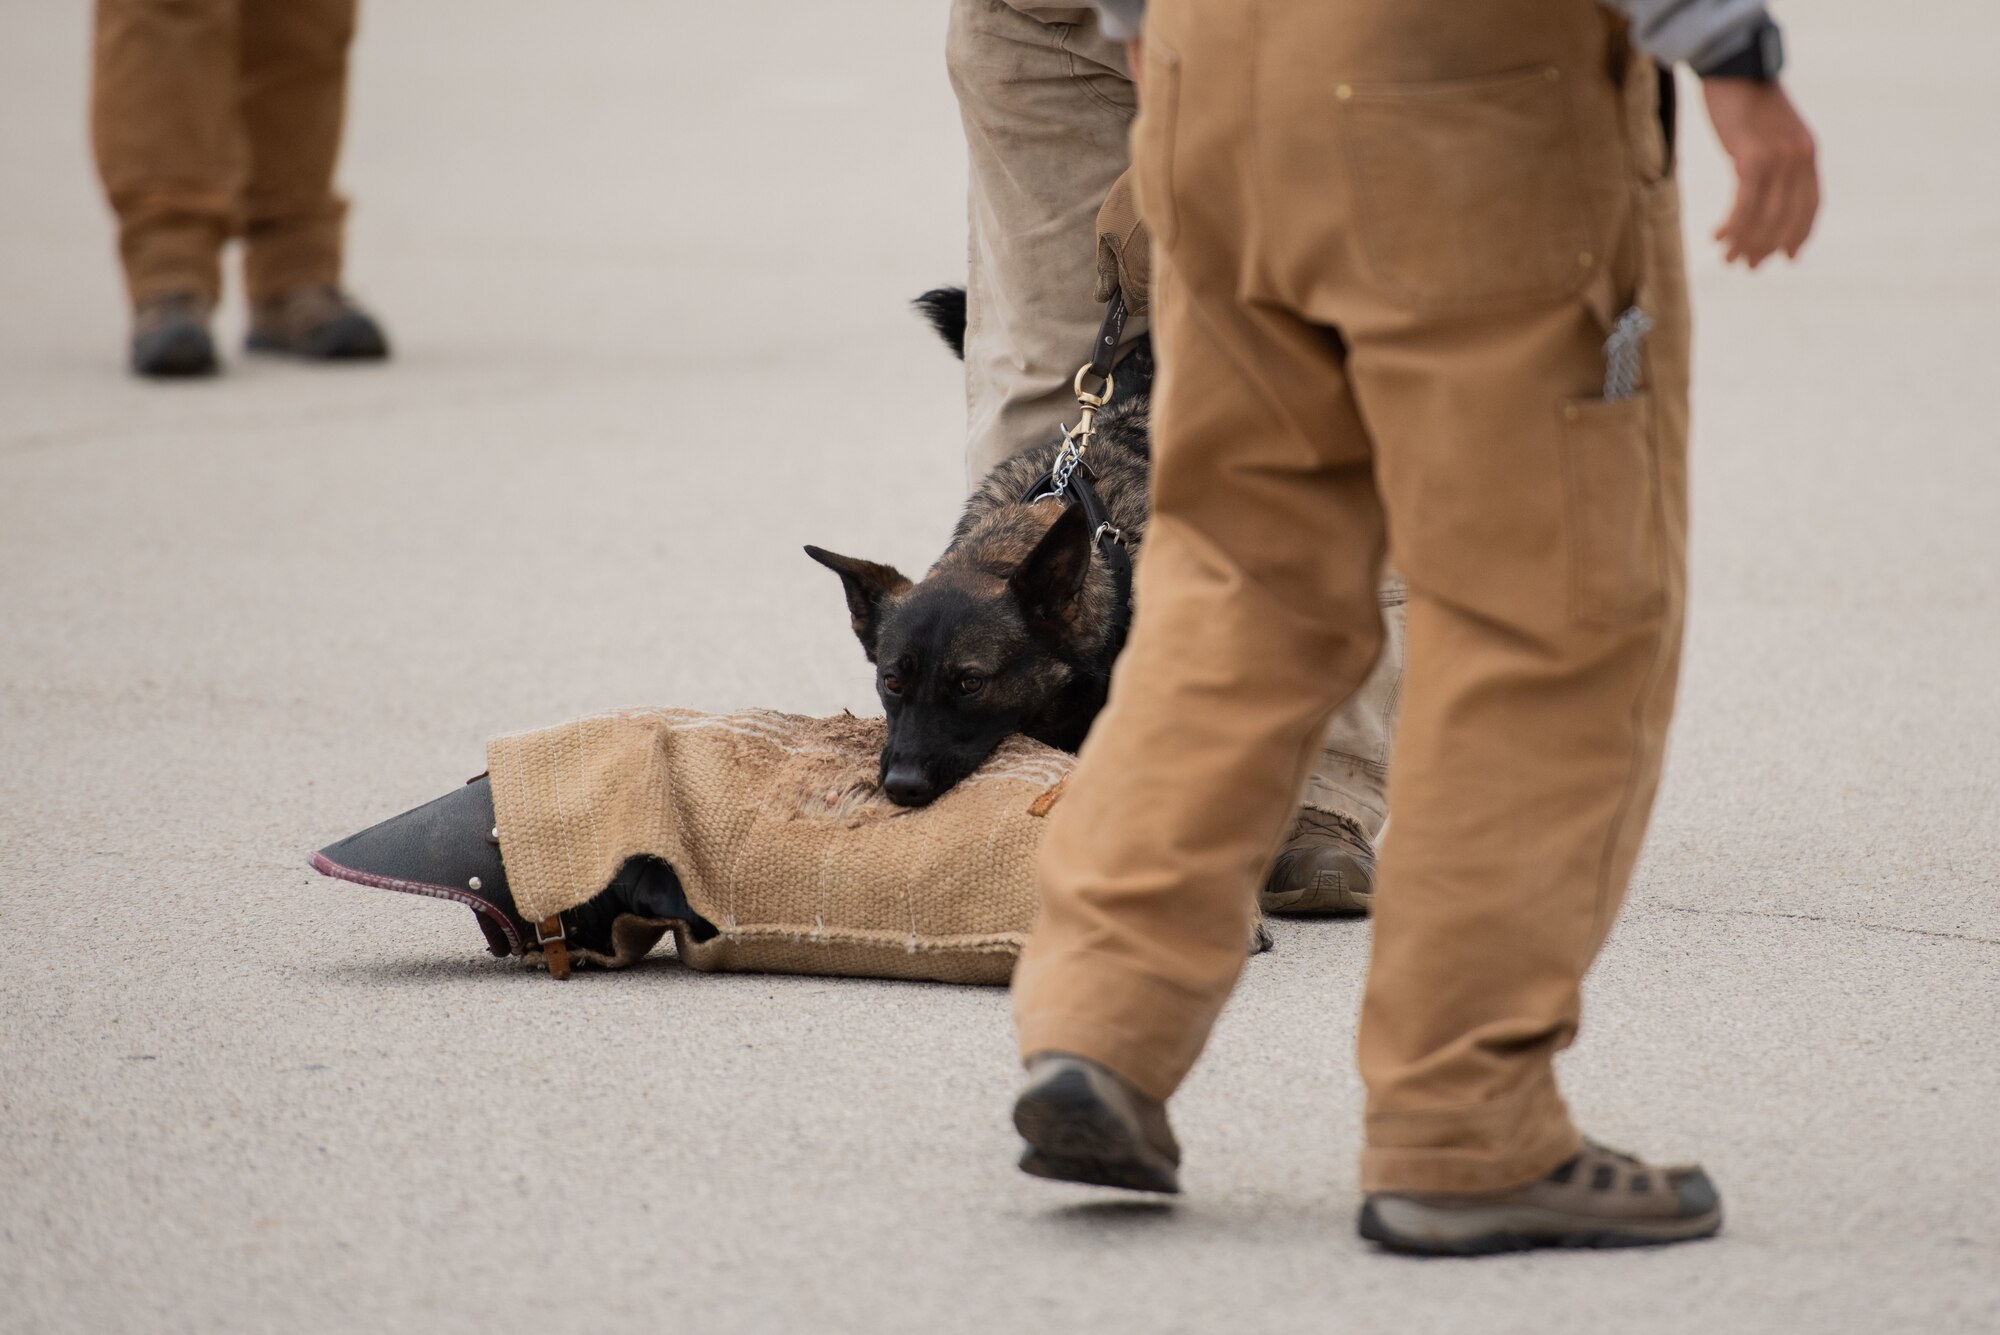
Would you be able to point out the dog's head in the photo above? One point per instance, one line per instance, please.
(968, 656)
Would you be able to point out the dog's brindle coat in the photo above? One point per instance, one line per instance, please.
(1011, 629)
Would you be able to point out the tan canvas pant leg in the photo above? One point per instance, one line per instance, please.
(213, 117)
(1543, 654)
(165, 132)
(1468, 200)
(1258, 611)
(293, 97)
(1047, 105)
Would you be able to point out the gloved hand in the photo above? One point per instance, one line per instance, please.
(1124, 248)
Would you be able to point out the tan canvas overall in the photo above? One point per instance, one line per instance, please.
(220, 118)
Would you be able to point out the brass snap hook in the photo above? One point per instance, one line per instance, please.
(1084, 396)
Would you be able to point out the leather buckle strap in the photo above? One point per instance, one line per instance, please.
(1105, 350)
(549, 935)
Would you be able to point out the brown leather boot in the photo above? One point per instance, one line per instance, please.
(170, 337)
(1600, 1198)
(1326, 867)
(316, 321)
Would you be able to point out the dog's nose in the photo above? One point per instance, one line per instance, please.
(907, 786)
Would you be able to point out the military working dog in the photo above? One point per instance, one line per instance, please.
(1016, 626)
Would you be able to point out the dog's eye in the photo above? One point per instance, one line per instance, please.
(970, 685)
(893, 685)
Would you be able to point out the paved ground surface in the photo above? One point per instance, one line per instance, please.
(646, 267)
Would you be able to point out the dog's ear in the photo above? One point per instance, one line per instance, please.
(944, 307)
(867, 584)
(1049, 582)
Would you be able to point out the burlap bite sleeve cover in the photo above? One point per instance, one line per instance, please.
(781, 839)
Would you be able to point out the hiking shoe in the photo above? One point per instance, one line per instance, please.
(316, 321)
(1600, 1198)
(450, 849)
(1327, 866)
(1084, 1124)
(170, 337)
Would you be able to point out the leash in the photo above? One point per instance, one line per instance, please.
(1071, 480)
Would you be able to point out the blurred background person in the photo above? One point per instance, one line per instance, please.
(220, 118)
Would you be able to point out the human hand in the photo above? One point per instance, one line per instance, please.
(1124, 248)
(1135, 60)
(1777, 174)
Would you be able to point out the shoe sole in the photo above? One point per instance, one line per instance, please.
(1421, 1230)
(1315, 903)
(1074, 1136)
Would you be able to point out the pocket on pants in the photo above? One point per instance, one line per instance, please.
(1611, 492)
(1469, 192)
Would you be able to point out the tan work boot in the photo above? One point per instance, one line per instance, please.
(317, 321)
(1084, 1124)
(1600, 1198)
(1327, 866)
(170, 336)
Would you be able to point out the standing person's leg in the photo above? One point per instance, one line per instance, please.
(1542, 528)
(1047, 102)
(293, 100)
(1472, 215)
(1257, 612)
(164, 130)
(1327, 864)
(293, 104)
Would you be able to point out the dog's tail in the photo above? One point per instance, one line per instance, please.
(944, 307)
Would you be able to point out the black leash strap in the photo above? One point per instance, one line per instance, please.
(1109, 335)
(1117, 559)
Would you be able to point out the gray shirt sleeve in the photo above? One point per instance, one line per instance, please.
(1120, 18)
(1699, 32)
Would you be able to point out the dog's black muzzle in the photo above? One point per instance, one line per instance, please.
(927, 756)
